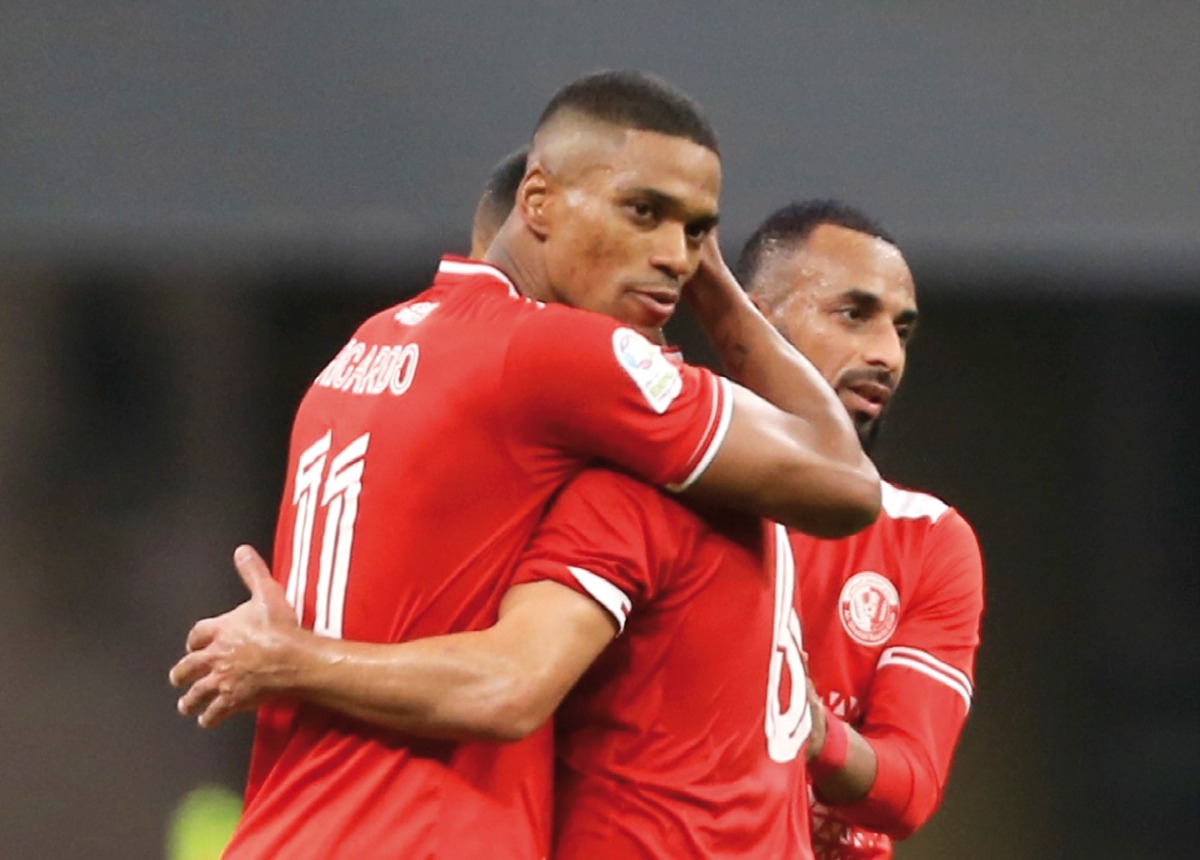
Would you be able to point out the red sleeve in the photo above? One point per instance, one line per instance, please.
(580, 383)
(923, 686)
(597, 539)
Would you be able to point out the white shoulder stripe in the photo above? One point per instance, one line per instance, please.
(927, 664)
(605, 593)
(722, 413)
(907, 505)
(454, 267)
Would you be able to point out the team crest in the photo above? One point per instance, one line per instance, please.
(869, 608)
(653, 373)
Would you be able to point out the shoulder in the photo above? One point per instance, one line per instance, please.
(941, 549)
(901, 503)
(563, 346)
(910, 510)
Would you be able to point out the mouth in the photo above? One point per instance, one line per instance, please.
(866, 398)
(658, 303)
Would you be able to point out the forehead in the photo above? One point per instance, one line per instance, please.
(835, 260)
(673, 166)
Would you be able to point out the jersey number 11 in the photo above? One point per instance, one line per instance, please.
(334, 491)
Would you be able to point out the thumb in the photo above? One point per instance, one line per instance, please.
(252, 569)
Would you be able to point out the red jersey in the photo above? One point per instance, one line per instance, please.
(421, 459)
(685, 738)
(891, 622)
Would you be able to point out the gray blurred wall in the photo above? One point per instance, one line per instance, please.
(1064, 133)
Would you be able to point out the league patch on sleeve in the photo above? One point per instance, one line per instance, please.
(653, 373)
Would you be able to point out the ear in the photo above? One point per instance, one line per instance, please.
(535, 200)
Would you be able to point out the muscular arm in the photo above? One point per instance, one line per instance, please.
(495, 684)
(791, 452)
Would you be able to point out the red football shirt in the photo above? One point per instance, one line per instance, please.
(421, 459)
(685, 739)
(891, 623)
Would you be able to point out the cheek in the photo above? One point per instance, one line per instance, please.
(603, 250)
(580, 263)
(822, 347)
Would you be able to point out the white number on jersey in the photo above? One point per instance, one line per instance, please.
(787, 728)
(342, 486)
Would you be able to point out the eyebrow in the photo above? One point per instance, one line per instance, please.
(672, 203)
(865, 299)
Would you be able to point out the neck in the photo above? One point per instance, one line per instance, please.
(516, 252)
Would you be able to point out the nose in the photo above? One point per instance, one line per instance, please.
(672, 254)
(885, 349)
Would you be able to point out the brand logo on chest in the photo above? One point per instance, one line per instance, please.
(869, 607)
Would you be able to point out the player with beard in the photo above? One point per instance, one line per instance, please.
(423, 456)
(890, 615)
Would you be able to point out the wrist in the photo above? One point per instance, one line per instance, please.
(294, 653)
(832, 756)
(715, 296)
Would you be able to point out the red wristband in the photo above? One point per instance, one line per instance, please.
(836, 748)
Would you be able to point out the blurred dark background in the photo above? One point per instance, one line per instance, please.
(199, 201)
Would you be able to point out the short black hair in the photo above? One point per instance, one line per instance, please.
(500, 191)
(636, 100)
(793, 224)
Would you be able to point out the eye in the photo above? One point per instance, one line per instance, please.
(641, 211)
(697, 232)
(905, 332)
(852, 314)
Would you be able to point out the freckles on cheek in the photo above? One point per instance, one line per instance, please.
(602, 248)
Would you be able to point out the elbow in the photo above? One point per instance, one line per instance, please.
(921, 809)
(907, 798)
(850, 503)
(912, 818)
(859, 507)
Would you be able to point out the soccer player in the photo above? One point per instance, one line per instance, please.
(891, 615)
(496, 201)
(424, 454)
(684, 740)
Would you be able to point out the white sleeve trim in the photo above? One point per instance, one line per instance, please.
(930, 666)
(723, 410)
(908, 504)
(613, 599)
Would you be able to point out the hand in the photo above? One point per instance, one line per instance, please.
(711, 276)
(235, 660)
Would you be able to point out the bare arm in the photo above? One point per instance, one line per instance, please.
(841, 762)
(495, 684)
(791, 452)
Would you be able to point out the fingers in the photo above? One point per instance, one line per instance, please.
(198, 697)
(189, 669)
(208, 703)
(202, 633)
(252, 569)
(217, 711)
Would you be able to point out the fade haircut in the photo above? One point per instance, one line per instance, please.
(635, 100)
(498, 197)
(792, 224)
